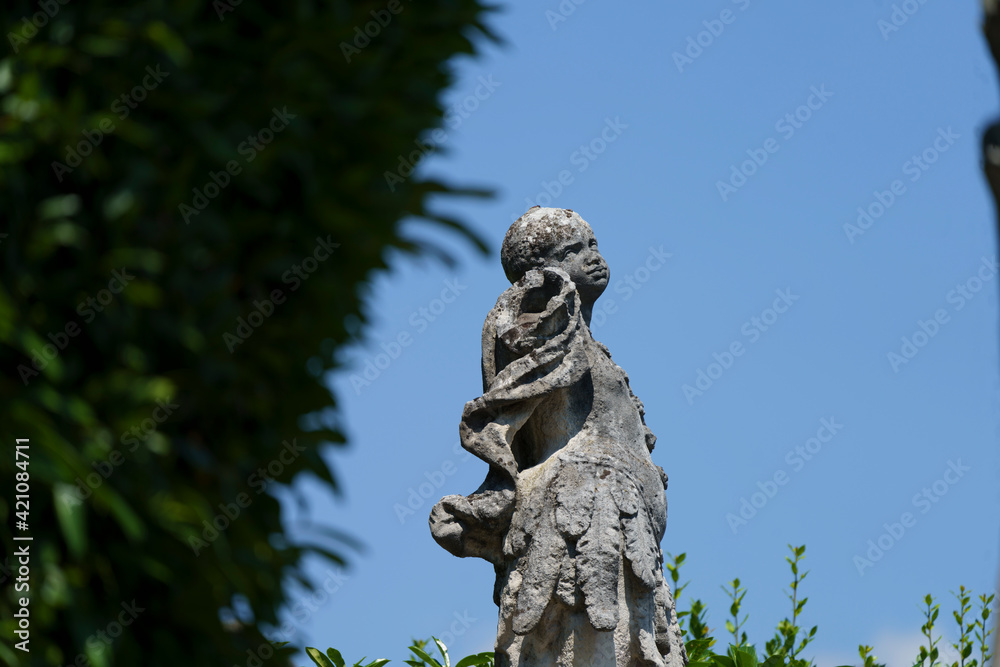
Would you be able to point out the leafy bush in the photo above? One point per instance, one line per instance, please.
(156, 211)
(782, 650)
(332, 658)
(785, 648)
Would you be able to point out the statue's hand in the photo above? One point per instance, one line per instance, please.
(474, 525)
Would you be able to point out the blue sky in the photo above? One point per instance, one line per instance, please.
(807, 112)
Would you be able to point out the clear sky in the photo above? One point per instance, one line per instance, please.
(721, 151)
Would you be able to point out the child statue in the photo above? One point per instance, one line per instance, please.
(573, 508)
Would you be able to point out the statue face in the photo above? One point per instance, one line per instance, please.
(578, 256)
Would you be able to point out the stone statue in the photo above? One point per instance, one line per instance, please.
(573, 509)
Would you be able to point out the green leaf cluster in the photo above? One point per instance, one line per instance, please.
(786, 647)
(165, 390)
(421, 658)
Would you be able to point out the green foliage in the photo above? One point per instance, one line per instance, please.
(784, 649)
(736, 595)
(332, 658)
(744, 656)
(868, 658)
(964, 645)
(144, 351)
(783, 643)
(781, 651)
(674, 568)
(422, 657)
(982, 631)
(929, 653)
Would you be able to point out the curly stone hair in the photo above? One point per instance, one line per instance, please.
(533, 236)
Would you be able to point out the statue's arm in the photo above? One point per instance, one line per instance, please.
(475, 525)
(531, 347)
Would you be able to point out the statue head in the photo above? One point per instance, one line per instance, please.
(557, 238)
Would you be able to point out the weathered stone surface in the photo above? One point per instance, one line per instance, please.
(573, 510)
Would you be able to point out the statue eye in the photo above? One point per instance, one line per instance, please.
(572, 250)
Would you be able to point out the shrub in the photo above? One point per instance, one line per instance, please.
(782, 650)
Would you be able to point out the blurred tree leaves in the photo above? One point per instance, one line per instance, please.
(118, 306)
